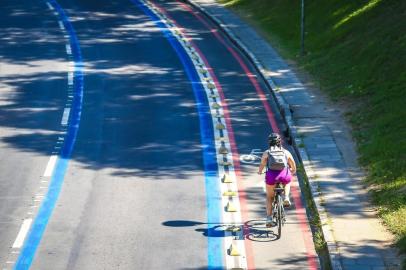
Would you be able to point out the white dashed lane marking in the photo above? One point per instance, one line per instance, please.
(65, 117)
(50, 166)
(70, 78)
(61, 26)
(50, 6)
(18, 243)
(68, 49)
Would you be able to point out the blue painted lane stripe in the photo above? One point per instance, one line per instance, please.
(215, 244)
(36, 232)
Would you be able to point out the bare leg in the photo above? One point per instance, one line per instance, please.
(270, 194)
(286, 201)
(287, 190)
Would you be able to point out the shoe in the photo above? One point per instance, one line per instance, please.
(269, 221)
(286, 202)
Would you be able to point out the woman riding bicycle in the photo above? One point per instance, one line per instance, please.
(280, 168)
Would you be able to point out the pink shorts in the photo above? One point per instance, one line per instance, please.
(273, 177)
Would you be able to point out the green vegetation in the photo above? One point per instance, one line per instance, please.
(314, 219)
(356, 52)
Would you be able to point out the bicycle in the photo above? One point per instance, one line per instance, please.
(278, 210)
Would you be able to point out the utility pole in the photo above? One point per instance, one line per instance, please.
(302, 29)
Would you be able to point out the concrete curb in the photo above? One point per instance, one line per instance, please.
(286, 113)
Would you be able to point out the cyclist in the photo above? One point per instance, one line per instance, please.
(280, 168)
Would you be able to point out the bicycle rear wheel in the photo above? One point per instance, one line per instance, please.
(279, 216)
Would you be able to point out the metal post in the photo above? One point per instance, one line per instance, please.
(302, 29)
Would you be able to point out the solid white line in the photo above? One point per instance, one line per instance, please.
(65, 116)
(51, 165)
(18, 243)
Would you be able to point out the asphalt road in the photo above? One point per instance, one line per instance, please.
(141, 186)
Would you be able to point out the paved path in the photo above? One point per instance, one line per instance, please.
(355, 237)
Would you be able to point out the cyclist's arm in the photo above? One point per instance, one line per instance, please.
(263, 162)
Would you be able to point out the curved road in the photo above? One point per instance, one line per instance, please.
(132, 175)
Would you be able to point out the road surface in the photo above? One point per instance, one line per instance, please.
(122, 125)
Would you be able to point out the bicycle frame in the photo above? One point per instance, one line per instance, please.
(277, 208)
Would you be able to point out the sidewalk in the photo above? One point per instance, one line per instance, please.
(355, 238)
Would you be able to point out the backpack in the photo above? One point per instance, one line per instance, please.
(277, 159)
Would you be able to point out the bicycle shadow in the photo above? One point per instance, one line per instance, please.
(253, 230)
(257, 231)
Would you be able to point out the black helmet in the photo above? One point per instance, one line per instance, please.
(274, 139)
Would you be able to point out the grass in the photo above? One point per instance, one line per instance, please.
(356, 53)
(314, 219)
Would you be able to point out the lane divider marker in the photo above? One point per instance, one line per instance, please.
(232, 210)
(226, 179)
(233, 250)
(231, 207)
(229, 193)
